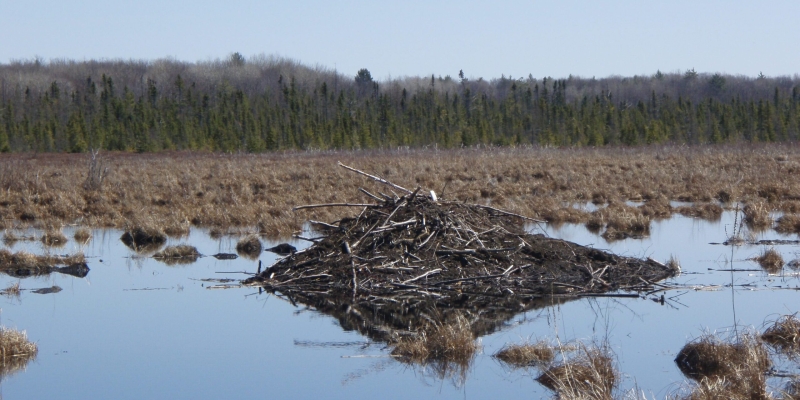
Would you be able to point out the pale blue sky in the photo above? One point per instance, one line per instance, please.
(399, 38)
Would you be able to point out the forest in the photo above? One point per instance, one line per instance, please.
(270, 103)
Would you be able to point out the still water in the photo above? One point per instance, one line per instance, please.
(137, 328)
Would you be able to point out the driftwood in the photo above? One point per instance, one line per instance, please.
(403, 259)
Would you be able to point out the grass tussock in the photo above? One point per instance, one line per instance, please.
(789, 223)
(526, 354)
(242, 190)
(143, 237)
(82, 235)
(756, 216)
(249, 246)
(674, 265)
(446, 348)
(725, 370)
(179, 254)
(54, 238)
(770, 260)
(784, 336)
(706, 211)
(27, 261)
(15, 350)
(588, 373)
(11, 291)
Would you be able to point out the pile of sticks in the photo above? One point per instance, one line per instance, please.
(412, 243)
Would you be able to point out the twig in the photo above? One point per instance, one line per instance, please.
(431, 272)
(381, 180)
(334, 205)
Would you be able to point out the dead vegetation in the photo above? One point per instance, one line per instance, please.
(249, 247)
(54, 238)
(23, 264)
(15, 351)
(706, 211)
(143, 237)
(258, 191)
(789, 223)
(721, 369)
(82, 235)
(587, 373)
(11, 291)
(784, 336)
(526, 354)
(770, 260)
(756, 216)
(178, 254)
(446, 348)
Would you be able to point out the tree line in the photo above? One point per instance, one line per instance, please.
(268, 103)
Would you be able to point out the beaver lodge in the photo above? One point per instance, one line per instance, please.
(409, 259)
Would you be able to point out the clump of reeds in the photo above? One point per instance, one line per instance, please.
(54, 238)
(784, 335)
(526, 354)
(15, 350)
(588, 374)
(143, 238)
(447, 348)
(10, 238)
(11, 291)
(82, 235)
(674, 265)
(756, 216)
(789, 223)
(770, 260)
(35, 264)
(249, 246)
(179, 254)
(725, 370)
(706, 211)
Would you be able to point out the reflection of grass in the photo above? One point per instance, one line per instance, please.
(526, 354)
(82, 235)
(784, 335)
(11, 291)
(249, 246)
(15, 351)
(447, 349)
(724, 370)
(770, 260)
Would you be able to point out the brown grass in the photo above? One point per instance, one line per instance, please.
(82, 235)
(214, 190)
(526, 354)
(143, 237)
(770, 260)
(674, 264)
(448, 349)
(54, 238)
(11, 291)
(706, 211)
(725, 370)
(587, 374)
(784, 335)
(756, 216)
(249, 246)
(35, 264)
(15, 351)
(179, 254)
(789, 223)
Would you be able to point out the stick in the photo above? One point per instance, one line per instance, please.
(381, 180)
(431, 272)
(370, 194)
(334, 205)
(509, 213)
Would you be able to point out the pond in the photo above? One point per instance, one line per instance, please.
(136, 328)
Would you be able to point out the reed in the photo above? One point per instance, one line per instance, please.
(15, 351)
(770, 260)
(526, 354)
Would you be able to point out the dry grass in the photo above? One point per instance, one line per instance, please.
(725, 370)
(784, 335)
(54, 238)
(447, 348)
(11, 291)
(674, 264)
(756, 216)
(249, 247)
(25, 264)
(15, 351)
(770, 260)
(588, 374)
(213, 190)
(526, 354)
(82, 235)
(143, 237)
(179, 254)
(789, 223)
(706, 211)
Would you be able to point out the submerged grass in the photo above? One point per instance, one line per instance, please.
(249, 246)
(15, 351)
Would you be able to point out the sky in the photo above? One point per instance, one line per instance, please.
(418, 38)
